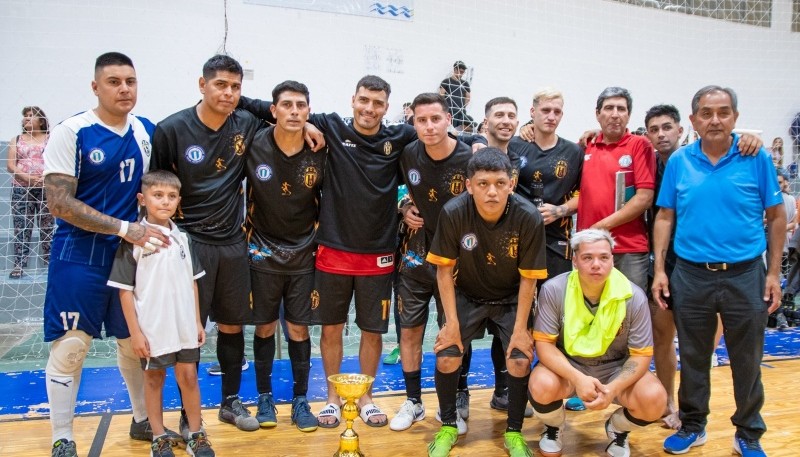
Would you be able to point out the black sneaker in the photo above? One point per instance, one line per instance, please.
(781, 324)
(199, 446)
(64, 448)
(233, 412)
(161, 447)
(143, 432)
(216, 370)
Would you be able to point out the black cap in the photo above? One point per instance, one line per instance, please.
(459, 65)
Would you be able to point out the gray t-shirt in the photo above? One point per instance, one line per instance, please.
(635, 336)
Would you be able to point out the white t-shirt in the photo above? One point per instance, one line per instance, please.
(163, 289)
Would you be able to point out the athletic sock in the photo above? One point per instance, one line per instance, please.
(552, 414)
(130, 367)
(517, 400)
(230, 350)
(413, 385)
(263, 355)
(300, 357)
(446, 387)
(500, 369)
(466, 362)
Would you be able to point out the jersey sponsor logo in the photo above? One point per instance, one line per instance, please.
(310, 175)
(561, 169)
(146, 147)
(469, 241)
(263, 172)
(385, 261)
(412, 260)
(432, 195)
(348, 144)
(258, 253)
(238, 144)
(97, 156)
(490, 259)
(194, 154)
(387, 148)
(286, 189)
(523, 161)
(414, 177)
(314, 299)
(220, 164)
(457, 184)
(625, 161)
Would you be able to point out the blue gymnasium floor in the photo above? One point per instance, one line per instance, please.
(103, 391)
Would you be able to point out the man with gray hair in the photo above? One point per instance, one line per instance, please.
(706, 183)
(617, 156)
(594, 340)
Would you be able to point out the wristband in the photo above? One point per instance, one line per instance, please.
(123, 229)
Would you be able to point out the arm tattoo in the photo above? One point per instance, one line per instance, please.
(561, 211)
(628, 369)
(62, 203)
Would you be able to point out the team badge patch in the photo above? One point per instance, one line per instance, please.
(513, 247)
(238, 144)
(146, 147)
(310, 175)
(457, 184)
(625, 161)
(469, 241)
(561, 169)
(97, 156)
(195, 154)
(387, 148)
(263, 172)
(414, 177)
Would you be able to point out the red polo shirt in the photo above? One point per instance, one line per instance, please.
(598, 184)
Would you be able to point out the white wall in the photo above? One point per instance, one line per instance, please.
(48, 47)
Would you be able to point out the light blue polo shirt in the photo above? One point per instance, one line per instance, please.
(719, 208)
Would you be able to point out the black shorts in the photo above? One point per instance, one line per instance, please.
(225, 288)
(412, 298)
(330, 300)
(170, 360)
(475, 318)
(270, 289)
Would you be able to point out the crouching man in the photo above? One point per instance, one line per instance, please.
(594, 339)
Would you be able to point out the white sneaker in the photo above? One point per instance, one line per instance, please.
(409, 413)
(618, 447)
(550, 442)
(461, 425)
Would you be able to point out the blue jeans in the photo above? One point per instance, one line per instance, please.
(698, 295)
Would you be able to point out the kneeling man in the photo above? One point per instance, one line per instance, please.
(593, 337)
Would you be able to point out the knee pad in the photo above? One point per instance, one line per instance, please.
(68, 353)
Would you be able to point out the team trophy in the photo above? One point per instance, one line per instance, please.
(350, 387)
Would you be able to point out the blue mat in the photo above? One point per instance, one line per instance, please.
(102, 389)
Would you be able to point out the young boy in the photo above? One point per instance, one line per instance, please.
(159, 295)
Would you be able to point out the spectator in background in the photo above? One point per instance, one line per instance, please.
(408, 113)
(457, 93)
(790, 205)
(26, 164)
(777, 152)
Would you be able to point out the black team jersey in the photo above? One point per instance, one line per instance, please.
(554, 176)
(491, 258)
(210, 165)
(282, 205)
(431, 184)
(358, 211)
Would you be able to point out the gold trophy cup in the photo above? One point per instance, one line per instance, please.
(350, 387)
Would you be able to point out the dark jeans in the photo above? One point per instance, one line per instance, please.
(698, 295)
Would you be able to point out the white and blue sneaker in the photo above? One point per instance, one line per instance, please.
(683, 440)
(409, 413)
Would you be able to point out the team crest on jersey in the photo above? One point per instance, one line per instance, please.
(561, 169)
(263, 172)
(414, 177)
(314, 299)
(195, 154)
(512, 249)
(238, 144)
(146, 147)
(469, 241)
(310, 177)
(457, 184)
(97, 156)
(523, 161)
(387, 148)
(625, 161)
